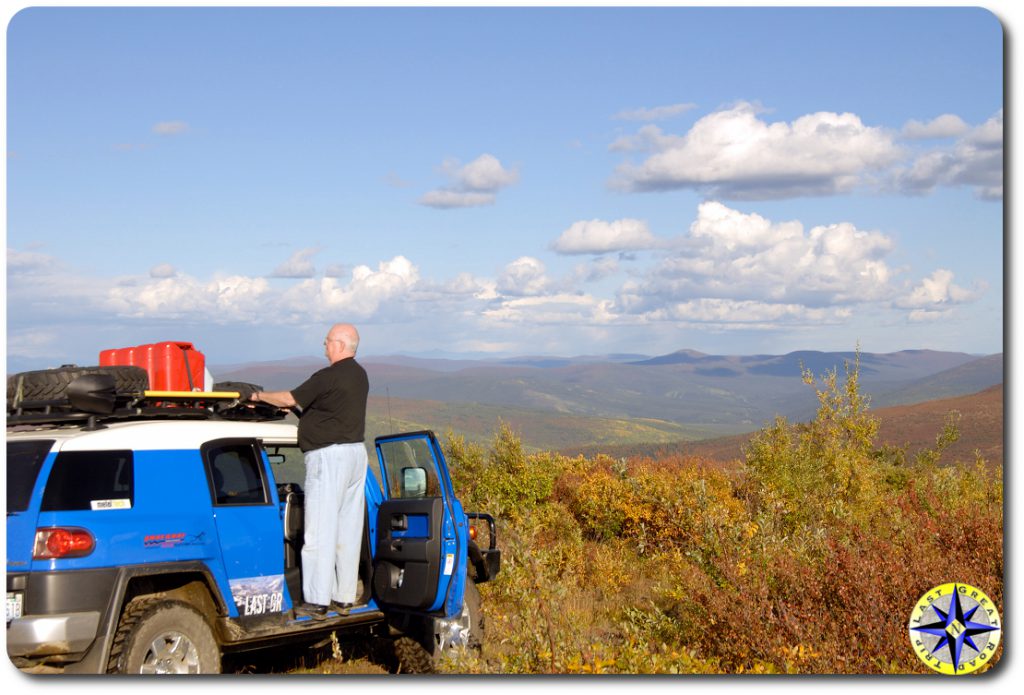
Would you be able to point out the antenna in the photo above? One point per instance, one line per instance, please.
(387, 393)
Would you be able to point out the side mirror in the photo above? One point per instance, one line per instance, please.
(414, 482)
(276, 459)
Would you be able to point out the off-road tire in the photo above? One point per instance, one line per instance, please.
(418, 651)
(160, 636)
(51, 384)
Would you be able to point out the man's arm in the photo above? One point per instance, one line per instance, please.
(281, 399)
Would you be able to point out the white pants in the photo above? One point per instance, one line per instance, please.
(335, 476)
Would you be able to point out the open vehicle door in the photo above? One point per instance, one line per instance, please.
(421, 531)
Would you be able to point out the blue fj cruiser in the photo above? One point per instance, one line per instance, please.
(154, 532)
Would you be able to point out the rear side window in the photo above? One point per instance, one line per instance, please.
(24, 459)
(98, 480)
(236, 474)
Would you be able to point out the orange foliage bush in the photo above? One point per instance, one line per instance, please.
(808, 561)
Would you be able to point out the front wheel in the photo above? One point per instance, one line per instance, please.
(422, 652)
(163, 637)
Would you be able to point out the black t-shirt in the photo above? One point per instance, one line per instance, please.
(333, 403)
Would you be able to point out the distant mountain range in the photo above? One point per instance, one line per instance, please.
(557, 402)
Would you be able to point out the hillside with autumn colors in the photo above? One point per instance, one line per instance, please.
(804, 555)
(913, 427)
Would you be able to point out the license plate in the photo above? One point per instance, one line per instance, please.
(13, 606)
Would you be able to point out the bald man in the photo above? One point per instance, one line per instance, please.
(331, 428)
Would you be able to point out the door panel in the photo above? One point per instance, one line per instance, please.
(408, 547)
(416, 539)
(248, 525)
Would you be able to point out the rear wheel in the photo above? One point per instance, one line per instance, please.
(422, 650)
(163, 637)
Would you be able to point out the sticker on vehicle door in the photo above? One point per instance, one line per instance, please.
(99, 505)
(258, 595)
(449, 563)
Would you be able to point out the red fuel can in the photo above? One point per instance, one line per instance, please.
(171, 365)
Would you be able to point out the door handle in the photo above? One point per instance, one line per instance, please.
(399, 522)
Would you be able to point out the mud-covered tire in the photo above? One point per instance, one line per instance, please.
(52, 384)
(157, 636)
(244, 389)
(420, 651)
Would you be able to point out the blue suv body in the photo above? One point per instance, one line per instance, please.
(157, 541)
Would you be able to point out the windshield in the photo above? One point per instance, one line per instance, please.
(24, 459)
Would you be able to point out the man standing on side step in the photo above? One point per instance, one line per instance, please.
(331, 429)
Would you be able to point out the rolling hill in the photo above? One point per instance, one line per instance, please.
(911, 426)
(556, 402)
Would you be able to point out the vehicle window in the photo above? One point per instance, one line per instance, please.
(98, 480)
(287, 463)
(24, 459)
(410, 469)
(236, 474)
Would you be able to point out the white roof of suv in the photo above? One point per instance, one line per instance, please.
(156, 434)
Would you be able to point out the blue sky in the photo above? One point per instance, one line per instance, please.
(503, 181)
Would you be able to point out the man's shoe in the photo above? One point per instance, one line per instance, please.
(311, 610)
(341, 608)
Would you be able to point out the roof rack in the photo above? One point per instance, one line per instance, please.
(152, 405)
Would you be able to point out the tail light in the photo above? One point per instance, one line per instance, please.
(472, 533)
(52, 543)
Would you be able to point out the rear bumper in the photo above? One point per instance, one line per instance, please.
(65, 616)
(52, 635)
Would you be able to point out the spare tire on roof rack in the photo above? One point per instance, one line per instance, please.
(50, 385)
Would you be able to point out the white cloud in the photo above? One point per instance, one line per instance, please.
(524, 276)
(928, 315)
(163, 270)
(29, 262)
(299, 265)
(976, 160)
(552, 310)
(733, 270)
(598, 236)
(733, 153)
(602, 267)
(444, 199)
(738, 256)
(748, 314)
(485, 173)
(945, 126)
(366, 292)
(938, 291)
(223, 299)
(170, 127)
(467, 285)
(472, 185)
(649, 138)
(656, 113)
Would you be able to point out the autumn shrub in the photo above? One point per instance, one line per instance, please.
(505, 480)
(808, 560)
(804, 479)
